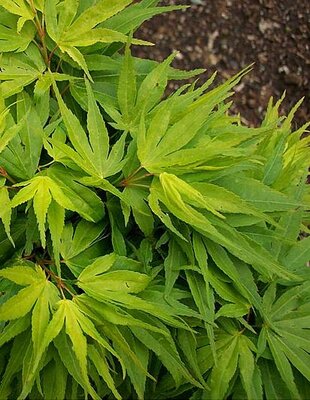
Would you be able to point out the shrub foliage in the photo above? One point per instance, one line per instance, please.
(149, 245)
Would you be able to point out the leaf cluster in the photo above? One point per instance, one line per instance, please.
(149, 245)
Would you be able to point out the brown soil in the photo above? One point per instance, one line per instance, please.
(227, 35)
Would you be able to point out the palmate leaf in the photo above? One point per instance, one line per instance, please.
(127, 289)
(137, 377)
(21, 156)
(11, 39)
(195, 277)
(136, 198)
(44, 190)
(290, 226)
(188, 345)
(86, 202)
(183, 205)
(106, 73)
(163, 144)
(274, 387)
(97, 277)
(14, 328)
(236, 354)
(20, 304)
(69, 360)
(167, 353)
(295, 158)
(91, 155)
(76, 325)
(7, 250)
(69, 32)
(20, 8)
(114, 314)
(225, 201)
(287, 333)
(80, 246)
(20, 70)
(133, 102)
(258, 194)
(274, 148)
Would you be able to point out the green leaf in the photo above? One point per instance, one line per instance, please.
(131, 355)
(225, 201)
(101, 35)
(20, 70)
(259, 195)
(21, 8)
(116, 221)
(282, 364)
(118, 281)
(14, 364)
(54, 379)
(274, 387)
(246, 287)
(98, 134)
(78, 340)
(174, 257)
(84, 200)
(298, 255)
(71, 363)
(91, 153)
(51, 332)
(66, 16)
(14, 328)
(223, 372)
(20, 304)
(84, 236)
(127, 90)
(102, 367)
(274, 163)
(153, 86)
(142, 214)
(99, 266)
(133, 16)
(6, 211)
(94, 15)
(42, 190)
(40, 319)
(167, 353)
(68, 358)
(7, 136)
(31, 133)
(83, 31)
(248, 369)
(23, 275)
(188, 346)
(138, 376)
(11, 40)
(113, 314)
(56, 222)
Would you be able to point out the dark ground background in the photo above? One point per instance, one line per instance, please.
(227, 35)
